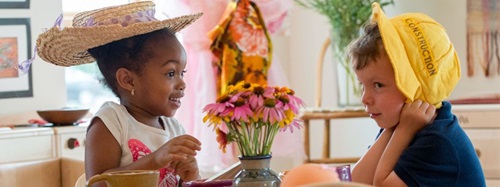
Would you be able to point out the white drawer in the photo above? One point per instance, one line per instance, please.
(26, 144)
(493, 182)
(65, 150)
(478, 116)
(487, 144)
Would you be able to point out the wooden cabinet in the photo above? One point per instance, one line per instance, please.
(70, 147)
(482, 125)
(26, 144)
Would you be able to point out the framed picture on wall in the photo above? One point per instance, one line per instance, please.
(25, 4)
(15, 45)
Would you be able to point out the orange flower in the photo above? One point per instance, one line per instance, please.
(222, 139)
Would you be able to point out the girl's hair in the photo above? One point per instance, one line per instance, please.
(130, 53)
(366, 48)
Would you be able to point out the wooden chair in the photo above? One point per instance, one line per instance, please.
(81, 181)
(326, 115)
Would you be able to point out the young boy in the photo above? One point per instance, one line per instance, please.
(407, 66)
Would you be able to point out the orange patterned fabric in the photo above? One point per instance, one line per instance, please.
(242, 45)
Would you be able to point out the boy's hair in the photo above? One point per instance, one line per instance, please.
(366, 48)
(130, 53)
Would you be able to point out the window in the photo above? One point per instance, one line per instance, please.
(84, 89)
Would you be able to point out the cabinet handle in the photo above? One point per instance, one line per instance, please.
(73, 143)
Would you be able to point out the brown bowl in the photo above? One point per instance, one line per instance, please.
(62, 116)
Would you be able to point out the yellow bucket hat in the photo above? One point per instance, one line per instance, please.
(426, 65)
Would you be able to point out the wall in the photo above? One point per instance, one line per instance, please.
(48, 80)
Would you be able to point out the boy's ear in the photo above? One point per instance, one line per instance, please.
(125, 79)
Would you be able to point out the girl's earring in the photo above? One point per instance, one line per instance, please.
(132, 92)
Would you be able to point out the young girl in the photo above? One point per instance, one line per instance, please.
(143, 63)
(408, 67)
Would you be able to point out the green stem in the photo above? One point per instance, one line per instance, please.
(265, 139)
(246, 138)
(257, 137)
(272, 131)
(239, 140)
(255, 145)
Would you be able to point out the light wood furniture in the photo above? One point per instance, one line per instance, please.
(40, 173)
(326, 115)
(81, 181)
(482, 125)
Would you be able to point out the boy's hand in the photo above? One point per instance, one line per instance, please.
(178, 149)
(415, 116)
(188, 169)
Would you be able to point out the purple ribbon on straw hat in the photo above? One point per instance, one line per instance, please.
(25, 66)
(124, 21)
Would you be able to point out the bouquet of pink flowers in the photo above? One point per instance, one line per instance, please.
(251, 115)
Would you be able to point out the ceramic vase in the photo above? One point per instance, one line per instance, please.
(256, 171)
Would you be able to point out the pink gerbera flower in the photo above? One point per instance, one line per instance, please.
(291, 96)
(295, 123)
(219, 106)
(269, 92)
(257, 99)
(287, 105)
(241, 111)
(296, 101)
(271, 111)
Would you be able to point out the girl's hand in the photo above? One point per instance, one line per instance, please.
(178, 149)
(415, 116)
(188, 169)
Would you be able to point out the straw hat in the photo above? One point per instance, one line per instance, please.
(426, 65)
(68, 46)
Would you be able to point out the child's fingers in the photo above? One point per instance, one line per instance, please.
(183, 150)
(188, 169)
(411, 107)
(186, 165)
(418, 111)
(178, 149)
(188, 141)
(190, 138)
(431, 109)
